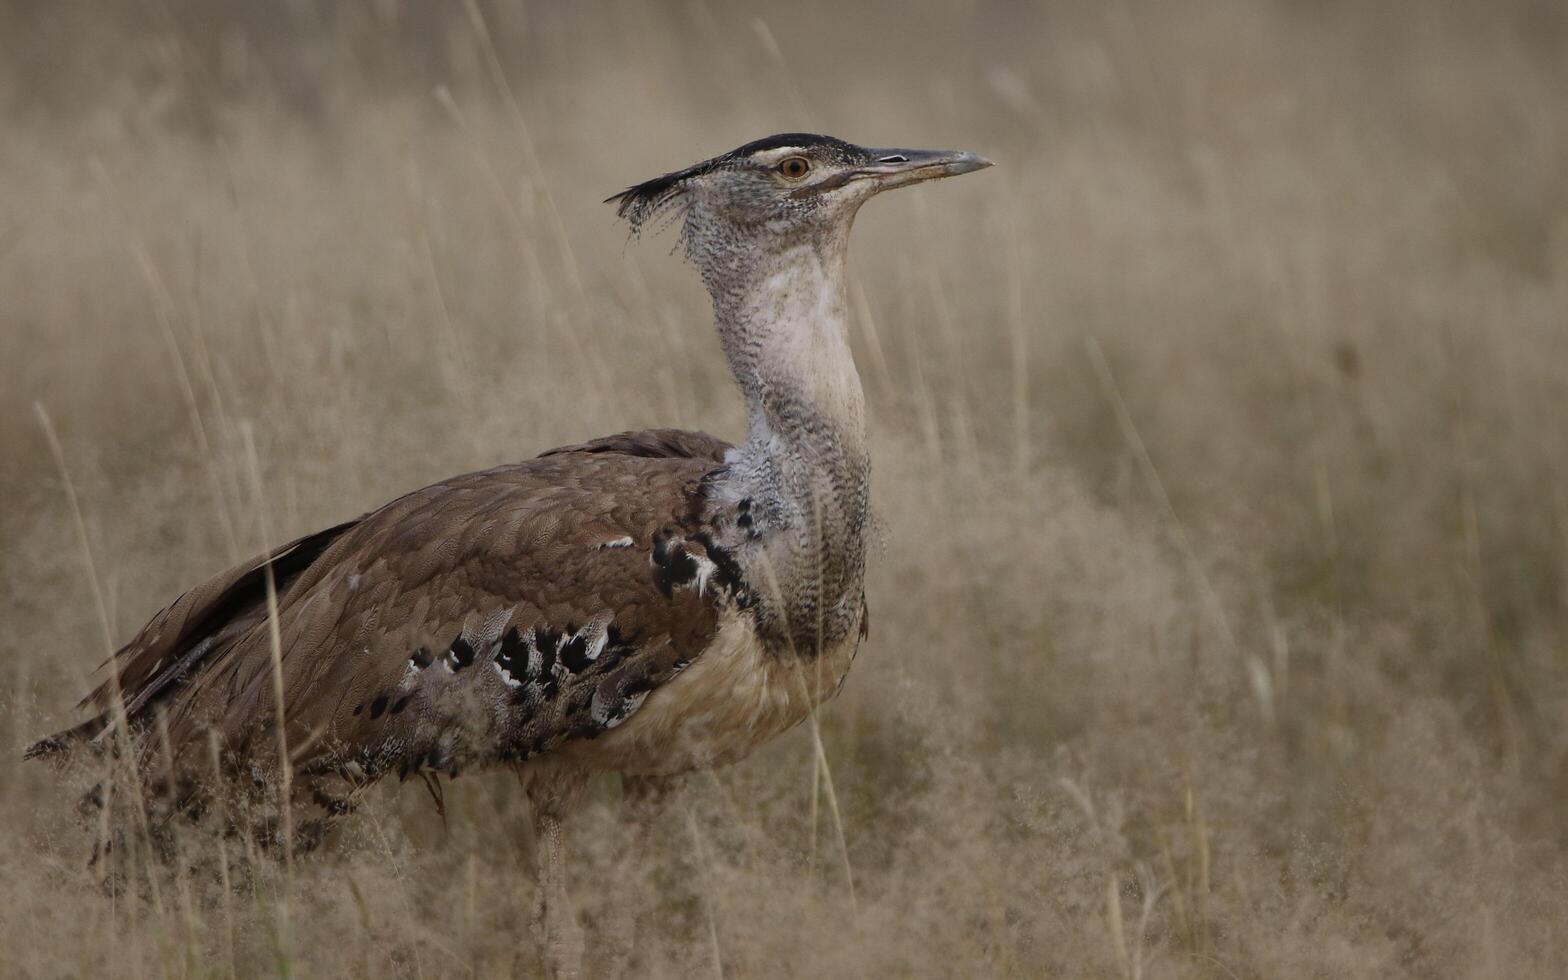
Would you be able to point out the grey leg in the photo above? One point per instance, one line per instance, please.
(561, 936)
(645, 800)
(554, 793)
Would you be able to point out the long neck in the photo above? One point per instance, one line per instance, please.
(784, 328)
(783, 323)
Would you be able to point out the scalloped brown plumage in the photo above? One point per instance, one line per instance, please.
(397, 629)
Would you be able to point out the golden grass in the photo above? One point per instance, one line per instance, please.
(1220, 619)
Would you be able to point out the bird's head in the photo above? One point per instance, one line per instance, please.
(779, 190)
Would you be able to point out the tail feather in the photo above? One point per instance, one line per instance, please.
(170, 649)
(61, 743)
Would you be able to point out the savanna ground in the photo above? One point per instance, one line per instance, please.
(1220, 615)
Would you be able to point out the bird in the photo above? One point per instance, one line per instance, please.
(649, 603)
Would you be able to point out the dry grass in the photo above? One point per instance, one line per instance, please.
(1221, 623)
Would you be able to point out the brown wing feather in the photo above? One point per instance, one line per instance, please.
(171, 647)
(489, 616)
(654, 443)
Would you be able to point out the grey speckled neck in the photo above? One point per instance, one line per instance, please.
(782, 316)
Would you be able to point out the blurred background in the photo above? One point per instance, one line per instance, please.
(1220, 610)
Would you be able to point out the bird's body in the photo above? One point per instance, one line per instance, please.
(648, 603)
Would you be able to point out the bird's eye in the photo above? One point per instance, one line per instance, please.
(794, 167)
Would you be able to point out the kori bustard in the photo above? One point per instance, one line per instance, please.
(648, 603)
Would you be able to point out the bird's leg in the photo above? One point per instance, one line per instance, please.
(563, 940)
(644, 800)
(555, 920)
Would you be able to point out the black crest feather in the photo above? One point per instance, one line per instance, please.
(645, 202)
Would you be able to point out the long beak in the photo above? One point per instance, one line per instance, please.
(900, 168)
